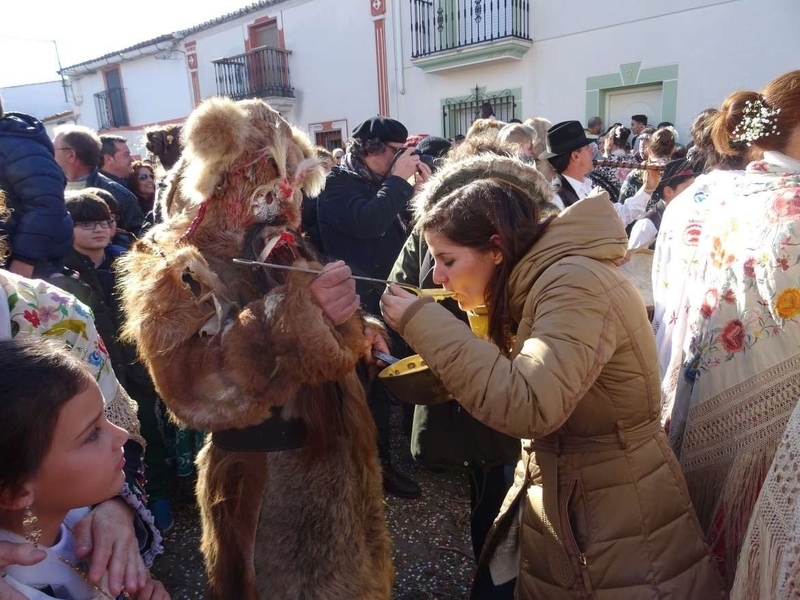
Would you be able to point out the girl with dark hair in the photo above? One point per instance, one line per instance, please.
(734, 374)
(142, 182)
(569, 367)
(59, 455)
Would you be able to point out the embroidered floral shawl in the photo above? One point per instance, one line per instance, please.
(739, 367)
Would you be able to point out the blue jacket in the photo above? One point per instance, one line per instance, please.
(40, 228)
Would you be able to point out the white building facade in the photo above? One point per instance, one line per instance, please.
(328, 64)
(39, 100)
(667, 59)
(315, 61)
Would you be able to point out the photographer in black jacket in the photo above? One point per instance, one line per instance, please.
(364, 220)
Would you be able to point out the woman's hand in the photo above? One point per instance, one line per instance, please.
(395, 304)
(107, 534)
(16, 554)
(652, 177)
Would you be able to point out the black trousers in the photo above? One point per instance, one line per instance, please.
(380, 405)
(488, 489)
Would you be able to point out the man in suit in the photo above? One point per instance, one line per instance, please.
(570, 154)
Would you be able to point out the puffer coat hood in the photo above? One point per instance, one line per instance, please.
(39, 229)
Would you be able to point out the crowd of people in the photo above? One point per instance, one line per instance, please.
(614, 449)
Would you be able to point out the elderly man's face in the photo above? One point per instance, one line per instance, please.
(64, 154)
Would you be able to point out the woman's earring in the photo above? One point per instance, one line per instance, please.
(29, 522)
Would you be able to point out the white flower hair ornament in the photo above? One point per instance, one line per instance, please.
(758, 121)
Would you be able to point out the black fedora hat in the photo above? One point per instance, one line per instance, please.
(565, 137)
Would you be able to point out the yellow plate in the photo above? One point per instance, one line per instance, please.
(412, 381)
(437, 294)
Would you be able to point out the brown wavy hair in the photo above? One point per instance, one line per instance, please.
(469, 217)
(662, 143)
(782, 93)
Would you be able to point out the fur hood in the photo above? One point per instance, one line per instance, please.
(456, 174)
(244, 161)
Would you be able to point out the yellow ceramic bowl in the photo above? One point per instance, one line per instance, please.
(412, 381)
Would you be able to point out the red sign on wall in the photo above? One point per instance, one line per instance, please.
(378, 7)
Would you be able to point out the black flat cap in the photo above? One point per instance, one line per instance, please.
(381, 128)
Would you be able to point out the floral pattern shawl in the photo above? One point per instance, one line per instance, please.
(739, 362)
(36, 307)
(676, 262)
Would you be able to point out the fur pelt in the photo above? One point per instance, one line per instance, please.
(226, 344)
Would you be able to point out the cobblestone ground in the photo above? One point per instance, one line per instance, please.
(432, 550)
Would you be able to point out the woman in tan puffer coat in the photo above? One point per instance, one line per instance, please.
(599, 507)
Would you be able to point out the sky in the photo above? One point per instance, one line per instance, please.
(85, 29)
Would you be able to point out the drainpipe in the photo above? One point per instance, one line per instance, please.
(398, 47)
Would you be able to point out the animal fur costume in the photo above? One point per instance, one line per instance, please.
(289, 486)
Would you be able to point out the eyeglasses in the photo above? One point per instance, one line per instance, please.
(145, 176)
(64, 148)
(92, 225)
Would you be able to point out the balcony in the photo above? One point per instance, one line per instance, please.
(111, 109)
(260, 73)
(450, 34)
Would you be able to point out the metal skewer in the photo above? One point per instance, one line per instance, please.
(411, 288)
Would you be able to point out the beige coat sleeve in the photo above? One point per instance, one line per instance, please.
(571, 338)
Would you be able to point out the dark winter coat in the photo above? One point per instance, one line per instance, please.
(100, 293)
(364, 225)
(40, 228)
(94, 287)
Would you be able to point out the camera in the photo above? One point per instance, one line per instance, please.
(426, 158)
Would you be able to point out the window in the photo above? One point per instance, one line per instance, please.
(438, 25)
(110, 104)
(458, 114)
(329, 139)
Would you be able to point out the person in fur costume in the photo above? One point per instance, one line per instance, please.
(289, 483)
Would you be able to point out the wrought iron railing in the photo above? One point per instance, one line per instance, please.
(458, 114)
(256, 74)
(111, 109)
(438, 25)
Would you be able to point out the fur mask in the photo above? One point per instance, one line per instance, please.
(244, 165)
